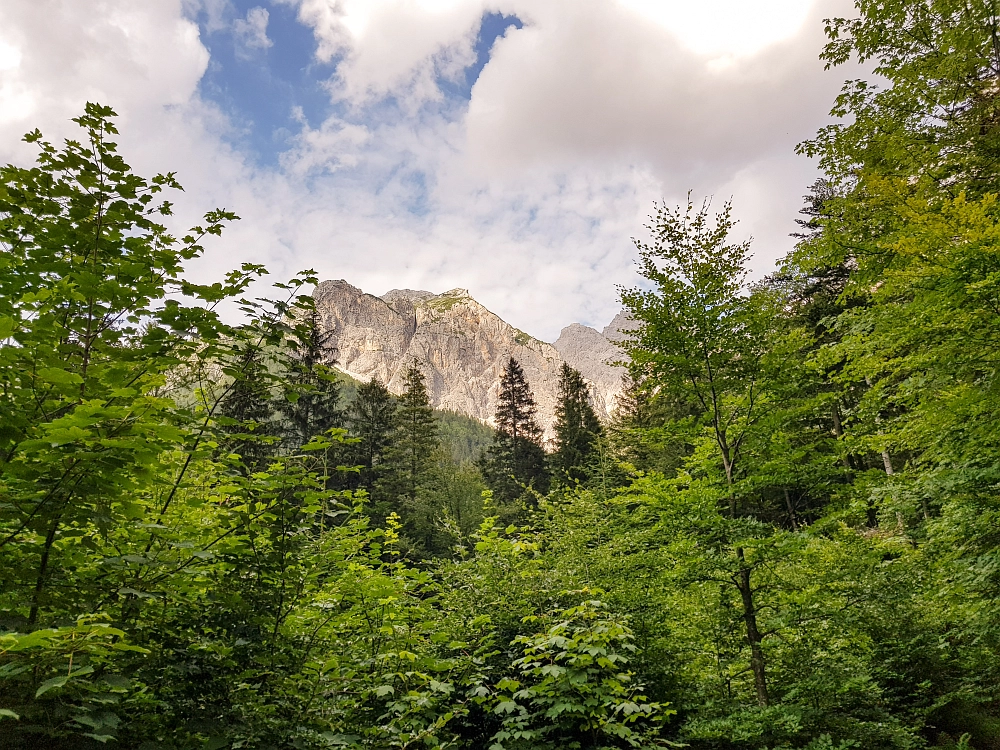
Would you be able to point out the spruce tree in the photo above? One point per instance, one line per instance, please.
(312, 400)
(516, 459)
(415, 439)
(247, 409)
(577, 427)
(371, 418)
(410, 464)
(638, 433)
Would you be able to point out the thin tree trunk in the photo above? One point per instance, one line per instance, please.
(887, 463)
(749, 608)
(43, 569)
(791, 511)
(753, 633)
(871, 514)
(838, 431)
(838, 427)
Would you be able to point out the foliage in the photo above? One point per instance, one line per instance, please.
(312, 403)
(577, 427)
(572, 688)
(516, 460)
(415, 440)
(371, 418)
(786, 539)
(465, 438)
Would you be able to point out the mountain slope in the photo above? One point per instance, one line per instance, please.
(460, 346)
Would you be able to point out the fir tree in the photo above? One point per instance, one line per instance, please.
(414, 441)
(638, 433)
(372, 419)
(247, 409)
(516, 459)
(312, 400)
(577, 427)
(409, 465)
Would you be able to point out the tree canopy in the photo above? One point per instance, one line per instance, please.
(785, 539)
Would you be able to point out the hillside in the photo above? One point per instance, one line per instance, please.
(461, 347)
(463, 437)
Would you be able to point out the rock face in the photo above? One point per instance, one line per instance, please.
(460, 346)
(592, 353)
(618, 329)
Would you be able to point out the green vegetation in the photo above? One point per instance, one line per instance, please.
(785, 540)
(522, 338)
(444, 302)
(577, 429)
(515, 465)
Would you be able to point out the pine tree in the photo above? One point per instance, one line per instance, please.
(247, 409)
(577, 427)
(312, 400)
(638, 433)
(516, 459)
(372, 419)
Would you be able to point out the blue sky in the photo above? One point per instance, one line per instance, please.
(270, 92)
(260, 90)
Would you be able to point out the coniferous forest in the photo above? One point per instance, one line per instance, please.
(787, 537)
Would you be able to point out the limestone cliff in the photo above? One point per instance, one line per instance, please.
(592, 353)
(460, 346)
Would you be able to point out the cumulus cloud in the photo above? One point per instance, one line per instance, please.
(251, 32)
(144, 58)
(527, 193)
(399, 47)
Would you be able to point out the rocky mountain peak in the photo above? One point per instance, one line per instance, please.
(460, 346)
(618, 329)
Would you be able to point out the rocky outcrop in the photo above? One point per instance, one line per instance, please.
(460, 346)
(617, 330)
(591, 353)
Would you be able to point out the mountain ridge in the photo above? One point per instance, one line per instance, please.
(461, 347)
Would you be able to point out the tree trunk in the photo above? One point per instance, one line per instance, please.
(743, 584)
(43, 570)
(871, 513)
(791, 511)
(887, 462)
(838, 428)
(753, 633)
(838, 431)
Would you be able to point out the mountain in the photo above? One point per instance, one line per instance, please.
(461, 347)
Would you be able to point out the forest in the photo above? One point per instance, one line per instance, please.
(788, 536)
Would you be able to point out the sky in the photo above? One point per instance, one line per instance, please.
(509, 147)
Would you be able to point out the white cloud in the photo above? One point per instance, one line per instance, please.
(251, 32)
(139, 57)
(393, 46)
(724, 27)
(10, 56)
(527, 197)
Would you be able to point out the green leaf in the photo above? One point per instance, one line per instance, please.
(117, 681)
(58, 376)
(51, 683)
(338, 740)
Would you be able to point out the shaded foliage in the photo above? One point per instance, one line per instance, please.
(786, 539)
(516, 461)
